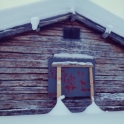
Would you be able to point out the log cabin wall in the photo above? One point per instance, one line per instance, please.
(24, 70)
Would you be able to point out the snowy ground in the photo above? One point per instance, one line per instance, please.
(61, 115)
(79, 118)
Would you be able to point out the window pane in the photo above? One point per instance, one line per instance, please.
(75, 33)
(66, 33)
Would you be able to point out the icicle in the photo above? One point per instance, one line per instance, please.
(107, 31)
(35, 22)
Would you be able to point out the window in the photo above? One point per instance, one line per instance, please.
(75, 80)
(71, 33)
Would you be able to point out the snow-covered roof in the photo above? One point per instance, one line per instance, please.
(43, 9)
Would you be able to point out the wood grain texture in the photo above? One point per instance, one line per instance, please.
(58, 83)
(24, 69)
(24, 96)
(23, 77)
(30, 83)
(91, 83)
(18, 90)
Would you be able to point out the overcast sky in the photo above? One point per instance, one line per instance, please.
(115, 6)
(10, 3)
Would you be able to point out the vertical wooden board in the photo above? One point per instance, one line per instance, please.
(91, 82)
(75, 80)
(59, 92)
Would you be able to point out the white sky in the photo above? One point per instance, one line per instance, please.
(11, 3)
(115, 6)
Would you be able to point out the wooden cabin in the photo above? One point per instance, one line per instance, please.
(24, 56)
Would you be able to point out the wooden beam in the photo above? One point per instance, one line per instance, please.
(91, 83)
(73, 17)
(117, 38)
(55, 19)
(27, 27)
(58, 82)
(90, 23)
(70, 65)
(99, 28)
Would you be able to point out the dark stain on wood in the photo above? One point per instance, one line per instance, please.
(24, 70)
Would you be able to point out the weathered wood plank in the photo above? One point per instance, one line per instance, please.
(109, 78)
(90, 23)
(28, 27)
(109, 85)
(86, 35)
(24, 96)
(29, 39)
(77, 109)
(12, 104)
(23, 77)
(114, 67)
(23, 70)
(77, 103)
(33, 50)
(106, 82)
(30, 104)
(111, 73)
(35, 111)
(9, 55)
(109, 89)
(24, 83)
(109, 96)
(47, 110)
(22, 63)
(64, 45)
(59, 27)
(109, 61)
(54, 19)
(13, 31)
(24, 111)
(55, 44)
(112, 108)
(37, 38)
(110, 103)
(18, 90)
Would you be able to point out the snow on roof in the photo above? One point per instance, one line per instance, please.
(73, 56)
(43, 9)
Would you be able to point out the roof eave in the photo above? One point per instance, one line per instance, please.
(28, 27)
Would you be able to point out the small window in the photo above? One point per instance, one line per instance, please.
(71, 33)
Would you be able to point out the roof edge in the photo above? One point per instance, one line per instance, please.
(28, 27)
